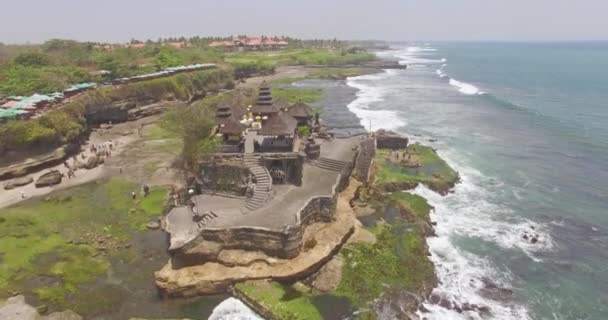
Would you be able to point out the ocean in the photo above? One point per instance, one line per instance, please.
(526, 126)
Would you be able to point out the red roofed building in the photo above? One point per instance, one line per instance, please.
(250, 43)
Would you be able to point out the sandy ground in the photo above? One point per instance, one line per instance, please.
(124, 137)
(135, 156)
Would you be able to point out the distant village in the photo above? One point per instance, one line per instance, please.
(239, 43)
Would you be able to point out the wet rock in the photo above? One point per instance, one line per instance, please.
(398, 304)
(42, 309)
(18, 183)
(48, 179)
(153, 225)
(15, 308)
(492, 291)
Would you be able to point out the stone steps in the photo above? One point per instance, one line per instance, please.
(330, 164)
(261, 193)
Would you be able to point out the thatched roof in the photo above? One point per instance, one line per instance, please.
(280, 124)
(264, 102)
(301, 110)
(232, 126)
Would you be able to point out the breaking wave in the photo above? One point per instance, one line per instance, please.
(233, 309)
(368, 96)
(465, 88)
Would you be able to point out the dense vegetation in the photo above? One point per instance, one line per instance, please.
(65, 124)
(57, 64)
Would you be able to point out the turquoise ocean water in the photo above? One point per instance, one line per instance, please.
(527, 127)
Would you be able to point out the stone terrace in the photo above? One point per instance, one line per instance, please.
(280, 211)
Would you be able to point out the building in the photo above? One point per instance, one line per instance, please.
(250, 44)
(302, 113)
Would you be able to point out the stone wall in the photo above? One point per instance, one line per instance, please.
(291, 162)
(226, 177)
(285, 243)
(390, 140)
(365, 154)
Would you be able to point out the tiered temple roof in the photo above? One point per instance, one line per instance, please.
(264, 104)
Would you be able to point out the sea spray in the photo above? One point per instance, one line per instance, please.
(233, 309)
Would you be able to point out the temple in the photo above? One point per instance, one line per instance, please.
(274, 176)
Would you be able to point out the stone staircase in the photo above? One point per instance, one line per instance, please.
(263, 186)
(330, 164)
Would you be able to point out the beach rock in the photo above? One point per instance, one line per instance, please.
(15, 308)
(398, 304)
(153, 225)
(93, 162)
(492, 291)
(18, 183)
(48, 179)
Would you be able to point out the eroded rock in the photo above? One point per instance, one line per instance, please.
(19, 182)
(48, 179)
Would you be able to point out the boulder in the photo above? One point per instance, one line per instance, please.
(18, 183)
(15, 308)
(93, 162)
(48, 179)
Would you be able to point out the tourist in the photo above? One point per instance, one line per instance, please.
(146, 190)
(22, 195)
(133, 195)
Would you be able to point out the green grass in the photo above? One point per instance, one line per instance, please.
(433, 171)
(397, 260)
(338, 73)
(293, 95)
(299, 57)
(413, 203)
(48, 237)
(284, 302)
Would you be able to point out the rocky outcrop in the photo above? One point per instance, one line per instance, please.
(93, 162)
(18, 183)
(31, 165)
(146, 111)
(213, 277)
(324, 241)
(48, 179)
(15, 308)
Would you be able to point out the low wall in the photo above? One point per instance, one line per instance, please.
(365, 154)
(390, 140)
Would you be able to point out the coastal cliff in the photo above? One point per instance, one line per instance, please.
(384, 270)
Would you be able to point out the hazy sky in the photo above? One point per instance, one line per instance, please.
(121, 20)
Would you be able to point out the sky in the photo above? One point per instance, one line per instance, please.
(35, 21)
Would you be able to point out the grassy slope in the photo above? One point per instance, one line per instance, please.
(284, 302)
(49, 237)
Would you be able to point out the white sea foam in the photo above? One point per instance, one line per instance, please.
(415, 55)
(465, 88)
(233, 309)
(368, 96)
